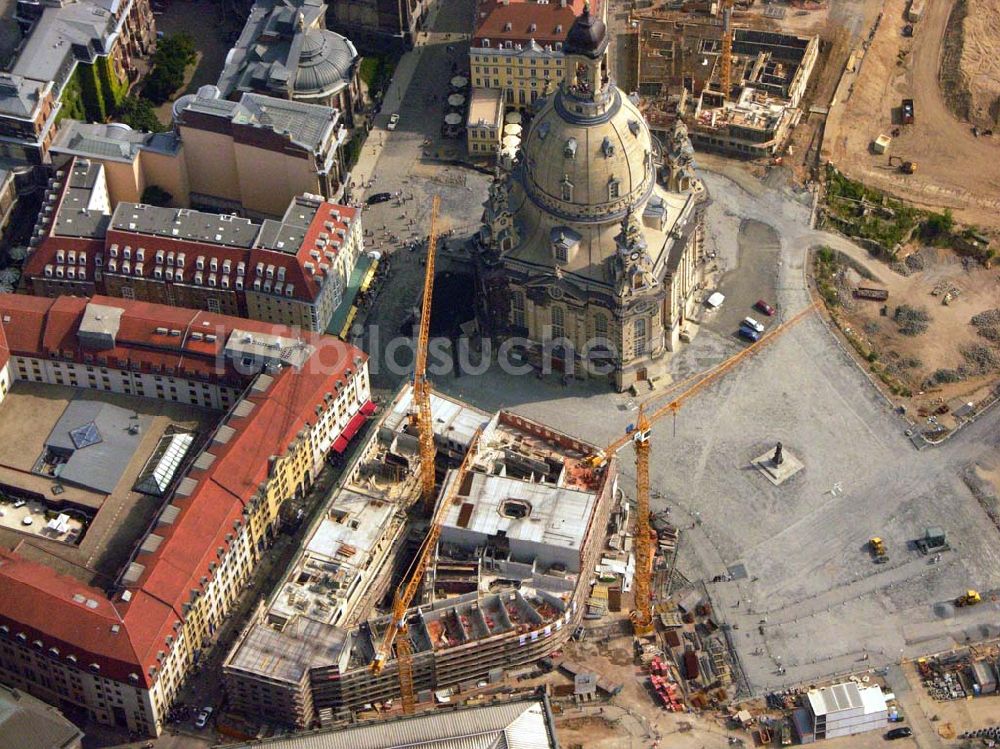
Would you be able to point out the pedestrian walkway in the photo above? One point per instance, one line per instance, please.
(395, 94)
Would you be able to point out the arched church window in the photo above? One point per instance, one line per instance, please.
(558, 321)
(639, 337)
(517, 309)
(601, 325)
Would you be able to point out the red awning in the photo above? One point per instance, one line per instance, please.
(353, 426)
(369, 408)
(339, 444)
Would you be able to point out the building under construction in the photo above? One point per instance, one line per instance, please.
(681, 75)
(526, 525)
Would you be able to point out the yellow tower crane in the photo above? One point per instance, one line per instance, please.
(727, 47)
(642, 614)
(398, 632)
(421, 386)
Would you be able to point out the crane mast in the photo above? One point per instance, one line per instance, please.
(727, 47)
(397, 631)
(642, 615)
(421, 386)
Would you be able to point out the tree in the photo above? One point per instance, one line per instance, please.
(138, 114)
(173, 54)
(939, 225)
(156, 195)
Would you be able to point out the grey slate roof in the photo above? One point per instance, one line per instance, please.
(280, 50)
(306, 125)
(288, 234)
(113, 141)
(519, 724)
(99, 464)
(27, 721)
(80, 30)
(19, 95)
(185, 223)
(78, 216)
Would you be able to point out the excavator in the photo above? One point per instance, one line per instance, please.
(969, 598)
(905, 166)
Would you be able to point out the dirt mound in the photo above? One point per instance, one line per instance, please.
(970, 63)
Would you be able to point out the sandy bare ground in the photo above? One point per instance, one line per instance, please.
(949, 332)
(970, 75)
(955, 168)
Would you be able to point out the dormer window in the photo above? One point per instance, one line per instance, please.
(614, 188)
(569, 151)
(567, 189)
(607, 147)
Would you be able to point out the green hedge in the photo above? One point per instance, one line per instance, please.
(72, 99)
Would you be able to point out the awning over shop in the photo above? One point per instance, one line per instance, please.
(353, 425)
(339, 445)
(369, 408)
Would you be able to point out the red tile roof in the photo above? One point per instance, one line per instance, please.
(65, 614)
(546, 23)
(306, 283)
(23, 321)
(36, 600)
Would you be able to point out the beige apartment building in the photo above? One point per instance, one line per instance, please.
(249, 157)
(484, 126)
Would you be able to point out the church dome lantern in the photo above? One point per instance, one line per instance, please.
(588, 36)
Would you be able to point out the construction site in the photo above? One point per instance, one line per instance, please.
(937, 57)
(517, 524)
(738, 89)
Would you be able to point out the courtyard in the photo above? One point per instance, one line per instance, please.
(108, 521)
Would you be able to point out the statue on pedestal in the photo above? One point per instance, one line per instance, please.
(778, 458)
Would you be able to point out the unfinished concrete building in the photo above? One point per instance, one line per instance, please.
(508, 584)
(679, 72)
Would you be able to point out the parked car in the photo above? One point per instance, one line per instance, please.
(379, 197)
(749, 333)
(761, 306)
(19, 503)
(751, 323)
(393, 121)
(898, 733)
(203, 717)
